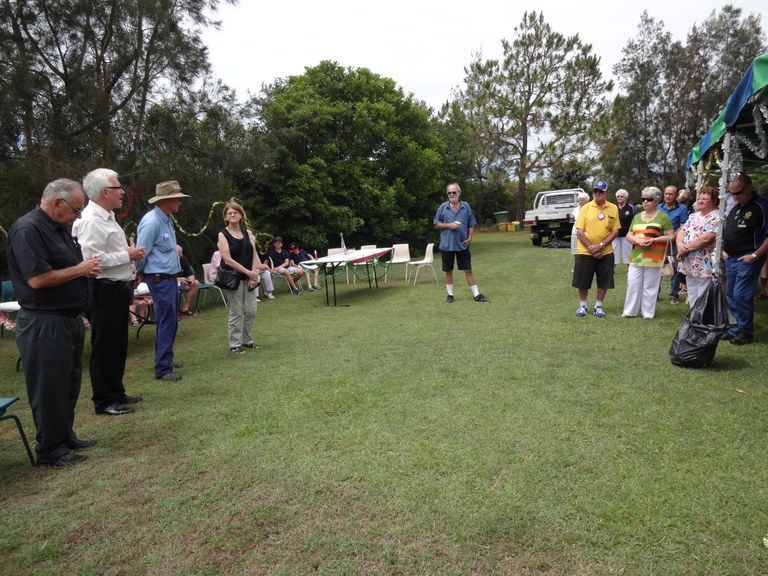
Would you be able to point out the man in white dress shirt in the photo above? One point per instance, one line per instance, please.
(100, 235)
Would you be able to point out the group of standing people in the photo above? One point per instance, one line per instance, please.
(666, 228)
(68, 260)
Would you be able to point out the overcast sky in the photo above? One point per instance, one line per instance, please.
(423, 45)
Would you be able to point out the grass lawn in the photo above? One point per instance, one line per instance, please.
(401, 436)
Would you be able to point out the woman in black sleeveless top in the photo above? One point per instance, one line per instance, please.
(238, 251)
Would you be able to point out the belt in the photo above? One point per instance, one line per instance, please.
(160, 277)
(108, 282)
(67, 313)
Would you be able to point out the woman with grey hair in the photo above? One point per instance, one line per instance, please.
(582, 198)
(621, 246)
(649, 233)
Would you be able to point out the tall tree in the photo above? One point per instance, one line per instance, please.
(672, 91)
(541, 105)
(82, 74)
(348, 152)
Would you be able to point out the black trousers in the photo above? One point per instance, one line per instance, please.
(109, 341)
(51, 350)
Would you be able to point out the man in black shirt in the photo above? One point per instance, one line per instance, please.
(745, 241)
(50, 278)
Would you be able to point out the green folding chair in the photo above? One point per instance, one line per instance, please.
(4, 403)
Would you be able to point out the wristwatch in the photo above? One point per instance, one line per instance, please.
(755, 256)
(602, 245)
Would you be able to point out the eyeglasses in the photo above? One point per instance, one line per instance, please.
(648, 199)
(738, 193)
(77, 210)
(113, 188)
(452, 193)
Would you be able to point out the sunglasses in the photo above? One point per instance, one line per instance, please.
(648, 199)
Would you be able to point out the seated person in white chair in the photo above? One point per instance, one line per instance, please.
(264, 273)
(281, 264)
(188, 284)
(299, 255)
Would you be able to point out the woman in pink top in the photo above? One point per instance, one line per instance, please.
(696, 242)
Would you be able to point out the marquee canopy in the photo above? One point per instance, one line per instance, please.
(745, 117)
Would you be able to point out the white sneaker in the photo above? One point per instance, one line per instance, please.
(269, 295)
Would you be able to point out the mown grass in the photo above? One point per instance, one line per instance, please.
(398, 435)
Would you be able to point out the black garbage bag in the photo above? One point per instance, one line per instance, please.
(695, 342)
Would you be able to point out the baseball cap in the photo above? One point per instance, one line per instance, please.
(600, 185)
(277, 239)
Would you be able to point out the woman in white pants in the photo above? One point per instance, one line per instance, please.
(696, 242)
(649, 233)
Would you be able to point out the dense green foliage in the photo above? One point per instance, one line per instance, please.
(348, 152)
(128, 85)
(671, 92)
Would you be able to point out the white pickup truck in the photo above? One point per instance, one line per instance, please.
(551, 216)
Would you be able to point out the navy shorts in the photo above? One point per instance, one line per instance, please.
(463, 260)
(586, 267)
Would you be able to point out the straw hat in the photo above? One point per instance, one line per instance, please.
(166, 191)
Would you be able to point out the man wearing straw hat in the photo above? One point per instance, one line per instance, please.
(159, 268)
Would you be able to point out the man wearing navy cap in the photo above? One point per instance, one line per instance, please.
(597, 225)
(280, 263)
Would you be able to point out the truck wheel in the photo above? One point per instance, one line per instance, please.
(536, 241)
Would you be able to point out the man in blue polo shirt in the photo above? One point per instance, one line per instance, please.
(456, 223)
(678, 215)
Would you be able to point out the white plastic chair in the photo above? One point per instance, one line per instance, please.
(400, 255)
(364, 247)
(333, 252)
(426, 262)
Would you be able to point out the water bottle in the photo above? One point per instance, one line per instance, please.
(343, 246)
(315, 254)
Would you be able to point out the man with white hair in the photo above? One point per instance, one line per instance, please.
(100, 235)
(50, 277)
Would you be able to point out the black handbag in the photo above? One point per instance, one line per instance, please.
(227, 278)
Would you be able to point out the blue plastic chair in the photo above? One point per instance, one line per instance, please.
(4, 403)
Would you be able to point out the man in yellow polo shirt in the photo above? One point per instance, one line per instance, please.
(597, 225)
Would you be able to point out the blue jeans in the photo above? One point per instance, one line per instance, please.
(165, 298)
(741, 287)
(674, 281)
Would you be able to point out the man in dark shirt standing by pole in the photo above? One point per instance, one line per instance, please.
(745, 241)
(50, 278)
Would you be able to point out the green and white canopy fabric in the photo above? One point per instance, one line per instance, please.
(736, 140)
(745, 119)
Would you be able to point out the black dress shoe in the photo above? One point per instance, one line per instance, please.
(66, 460)
(114, 410)
(77, 444)
(169, 377)
(742, 338)
(727, 336)
(130, 399)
